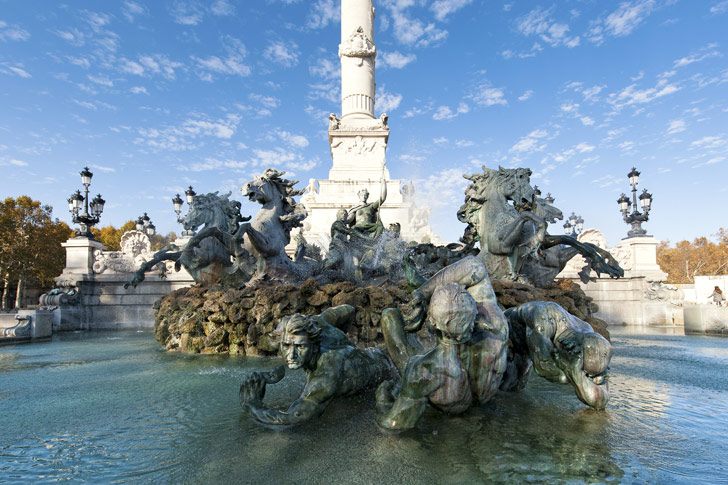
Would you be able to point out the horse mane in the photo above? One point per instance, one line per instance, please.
(479, 191)
(231, 208)
(293, 213)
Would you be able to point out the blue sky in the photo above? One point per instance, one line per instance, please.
(157, 95)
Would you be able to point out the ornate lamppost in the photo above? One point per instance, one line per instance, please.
(178, 202)
(144, 224)
(91, 209)
(548, 199)
(574, 225)
(635, 218)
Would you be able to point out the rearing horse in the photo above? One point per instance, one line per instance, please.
(261, 243)
(510, 223)
(206, 259)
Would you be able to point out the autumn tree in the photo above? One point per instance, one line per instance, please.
(689, 259)
(30, 245)
(110, 236)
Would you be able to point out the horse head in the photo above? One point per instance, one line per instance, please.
(265, 188)
(207, 209)
(515, 185)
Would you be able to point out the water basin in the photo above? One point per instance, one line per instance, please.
(114, 406)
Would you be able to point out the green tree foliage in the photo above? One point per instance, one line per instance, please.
(110, 236)
(689, 259)
(30, 244)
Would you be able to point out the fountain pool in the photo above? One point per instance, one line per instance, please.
(114, 406)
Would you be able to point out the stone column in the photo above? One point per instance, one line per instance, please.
(80, 255)
(357, 52)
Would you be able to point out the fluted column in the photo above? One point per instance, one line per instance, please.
(357, 52)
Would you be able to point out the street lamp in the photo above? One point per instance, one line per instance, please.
(177, 202)
(635, 218)
(574, 225)
(92, 209)
(144, 224)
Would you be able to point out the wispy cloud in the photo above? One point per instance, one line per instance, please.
(631, 95)
(539, 22)
(526, 95)
(12, 32)
(187, 134)
(621, 22)
(443, 8)
(700, 55)
(394, 60)
(676, 126)
(283, 53)
(132, 9)
(14, 70)
(386, 101)
(232, 64)
(719, 8)
(323, 12)
(187, 12)
(446, 113)
(530, 143)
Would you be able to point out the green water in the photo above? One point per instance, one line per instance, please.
(114, 407)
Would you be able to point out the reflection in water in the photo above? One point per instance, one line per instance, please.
(115, 406)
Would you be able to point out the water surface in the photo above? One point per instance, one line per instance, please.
(115, 407)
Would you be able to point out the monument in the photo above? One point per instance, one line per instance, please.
(358, 143)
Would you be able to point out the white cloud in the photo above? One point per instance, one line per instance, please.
(158, 64)
(103, 168)
(17, 70)
(710, 142)
(102, 80)
(485, 95)
(80, 62)
(586, 121)
(14, 162)
(97, 20)
(704, 53)
(395, 60)
(440, 141)
(298, 141)
(676, 126)
(628, 16)
(139, 90)
(525, 96)
(322, 13)
(443, 8)
(232, 64)
(267, 101)
(632, 96)
(530, 143)
(720, 7)
(412, 31)
(131, 67)
(326, 69)
(187, 12)
(222, 8)
(442, 189)
(539, 22)
(387, 102)
(12, 32)
(445, 113)
(285, 54)
(185, 135)
(74, 36)
(85, 104)
(131, 9)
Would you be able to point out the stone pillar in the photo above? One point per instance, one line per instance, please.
(642, 253)
(357, 53)
(80, 255)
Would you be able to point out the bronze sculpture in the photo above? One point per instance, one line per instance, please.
(333, 366)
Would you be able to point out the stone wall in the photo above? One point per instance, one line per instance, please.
(242, 321)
